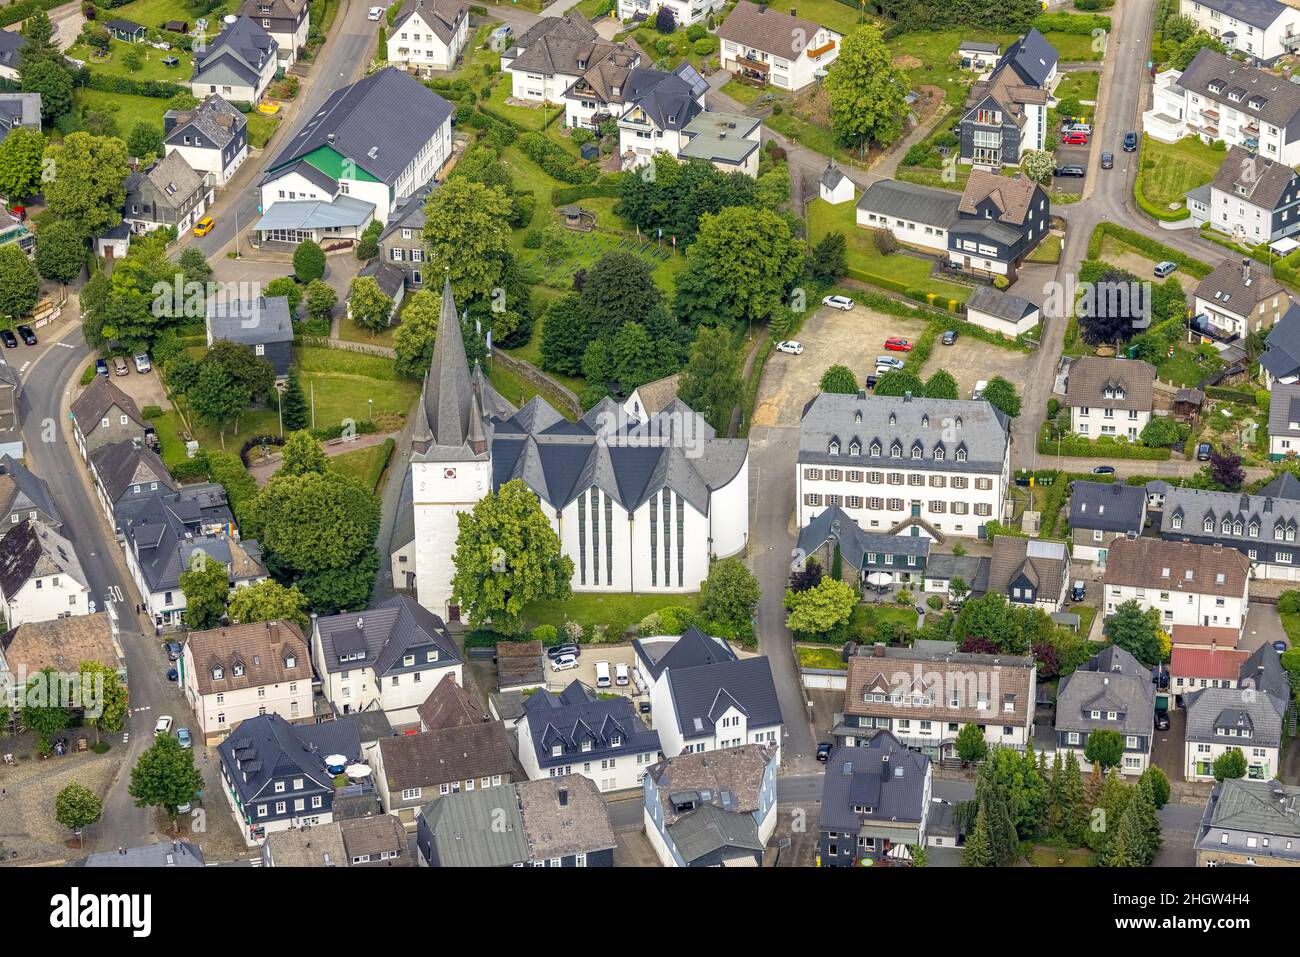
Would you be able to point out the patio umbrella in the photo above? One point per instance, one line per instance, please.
(877, 579)
(357, 771)
(334, 760)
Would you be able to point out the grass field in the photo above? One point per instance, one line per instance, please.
(154, 13)
(619, 611)
(354, 385)
(364, 466)
(1169, 170)
(825, 658)
(260, 128)
(126, 110)
(151, 62)
(1048, 251)
(1081, 84)
(840, 17)
(518, 390)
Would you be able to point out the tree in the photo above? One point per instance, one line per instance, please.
(316, 521)
(302, 454)
(665, 22)
(866, 92)
(145, 139)
(941, 385)
(42, 708)
(77, 807)
(206, 586)
(1229, 765)
(1001, 394)
(194, 265)
(807, 574)
(730, 594)
(829, 258)
(564, 334)
(251, 371)
(898, 382)
(268, 600)
(1014, 775)
(1136, 630)
(1113, 307)
(978, 852)
(1193, 45)
(839, 379)
(285, 286)
(293, 404)
(467, 234)
(823, 611)
(21, 156)
(368, 244)
(1161, 432)
(321, 299)
(1038, 165)
(39, 44)
(19, 284)
(308, 261)
(621, 287)
(414, 338)
(217, 397)
(507, 555)
(60, 252)
(710, 382)
(110, 698)
(1159, 785)
(367, 304)
(1073, 804)
(1104, 748)
(55, 86)
(165, 776)
(1225, 467)
(970, 744)
(629, 359)
(88, 184)
(1008, 628)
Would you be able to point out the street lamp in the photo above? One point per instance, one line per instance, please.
(370, 410)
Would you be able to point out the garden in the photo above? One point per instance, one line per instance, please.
(1168, 170)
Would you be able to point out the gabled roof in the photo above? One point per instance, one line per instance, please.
(1263, 671)
(934, 207)
(100, 396)
(264, 320)
(564, 816)
(264, 748)
(1111, 680)
(11, 41)
(373, 836)
(1249, 177)
(1278, 100)
(1238, 287)
(1212, 708)
(1282, 355)
(267, 652)
(833, 523)
(1032, 57)
(692, 649)
(891, 671)
(1002, 305)
(1177, 567)
(33, 550)
(320, 845)
(164, 532)
(709, 829)
(1130, 381)
(279, 9)
(1257, 13)
(1012, 196)
(479, 828)
(670, 100)
(243, 46)
(21, 490)
(123, 464)
(1044, 563)
(458, 753)
(703, 694)
(1109, 507)
(731, 778)
(769, 29)
(173, 178)
(162, 854)
(881, 775)
(384, 632)
(1284, 415)
(1242, 808)
(1218, 664)
(62, 644)
(576, 715)
(443, 17)
(216, 119)
(450, 706)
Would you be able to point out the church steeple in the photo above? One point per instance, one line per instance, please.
(446, 407)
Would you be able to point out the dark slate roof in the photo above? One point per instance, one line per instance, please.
(979, 46)
(389, 114)
(894, 790)
(243, 46)
(671, 100)
(216, 119)
(100, 396)
(577, 714)
(709, 828)
(1113, 507)
(1032, 57)
(124, 464)
(126, 26)
(267, 747)
(1003, 305)
(1211, 708)
(409, 212)
(1263, 671)
(385, 633)
(391, 279)
(833, 521)
(11, 41)
(443, 17)
(162, 854)
(479, 828)
(1257, 13)
(1243, 809)
(28, 490)
(1284, 409)
(1286, 485)
(164, 532)
(1193, 506)
(934, 207)
(266, 321)
(1249, 177)
(1111, 680)
(702, 694)
(31, 549)
(692, 649)
(831, 175)
(1279, 100)
(404, 520)
(1282, 357)
(974, 570)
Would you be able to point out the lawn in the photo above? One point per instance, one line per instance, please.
(743, 92)
(840, 17)
(620, 611)
(364, 466)
(151, 62)
(823, 218)
(1169, 170)
(867, 617)
(170, 427)
(154, 13)
(827, 659)
(1082, 85)
(1186, 368)
(529, 117)
(1044, 856)
(1048, 251)
(126, 110)
(518, 390)
(260, 128)
(1291, 625)
(932, 50)
(338, 384)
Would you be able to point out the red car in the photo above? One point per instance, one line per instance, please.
(1075, 139)
(898, 344)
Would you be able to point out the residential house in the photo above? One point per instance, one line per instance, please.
(978, 55)
(1201, 638)
(287, 22)
(1110, 692)
(275, 776)
(941, 571)
(576, 732)
(1101, 512)
(1006, 113)
(11, 430)
(834, 187)
(1030, 571)
(239, 63)
(166, 193)
(547, 61)
(765, 46)
(161, 854)
(1236, 300)
(388, 657)
(202, 506)
(429, 36)
(1261, 527)
(319, 845)
(391, 281)
(657, 107)
(1109, 397)
(237, 672)
(651, 398)
(1001, 312)
(1250, 823)
(714, 810)
(685, 12)
(1218, 98)
(656, 654)
(401, 244)
(62, 644)
(370, 146)
(893, 464)
(126, 474)
(263, 324)
(1033, 60)
(102, 415)
(875, 804)
(17, 109)
(11, 42)
(1284, 421)
(413, 769)
(507, 707)
(212, 137)
(24, 495)
(1280, 361)
(730, 141)
(1193, 669)
(376, 840)
(556, 822)
(924, 695)
(1261, 29)
(41, 578)
(1221, 719)
(1189, 584)
(868, 558)
(1253, 199)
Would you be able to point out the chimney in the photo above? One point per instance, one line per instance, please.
(361, 624)
(564, 797)
(878, 650)
(1245, 271)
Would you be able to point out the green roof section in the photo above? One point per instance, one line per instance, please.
(331, 162)
(709, 828)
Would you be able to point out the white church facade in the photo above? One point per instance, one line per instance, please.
(640, 504)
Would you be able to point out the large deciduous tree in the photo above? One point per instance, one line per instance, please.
(77, 807)
(729, 596)
(1136, 630)
(206, 586)
(268, 600)
(839, 379)
(710, 383)
(822, 612)
(866, 91)
(21, 156)
(19, 284)
(87, 181)
(61, 252)
(165, 776)
(467, 234)
(413, 341)
(369, 307)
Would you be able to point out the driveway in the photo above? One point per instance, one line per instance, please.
(146, 389)
(1167, 748)
(1263, 627)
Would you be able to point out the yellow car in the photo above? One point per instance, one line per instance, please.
(204, 226)
(269, 108)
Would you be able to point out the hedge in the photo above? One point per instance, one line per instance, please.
(1146, 245)
(555, 161)
(156, 89)
(25, 8)
(898, 286)
(1072, 23)
(750, 394)
(378, 465)
(1148, 207)
(1231, 395)
(1104, 447)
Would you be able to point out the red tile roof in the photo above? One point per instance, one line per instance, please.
(1220, 663)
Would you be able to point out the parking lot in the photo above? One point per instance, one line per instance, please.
(968, 360)
(1068, 156)
(586, 670)
(145, 388)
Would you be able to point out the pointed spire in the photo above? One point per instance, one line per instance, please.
(447, 394)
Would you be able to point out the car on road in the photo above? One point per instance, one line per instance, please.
(1162, 720)
(920, 610)
(8, 338)
(1107, 160)
(564, 662)
(1164, 268)
(1130, 142)
(101, 368)
(898, 344)
(1279, 646)
(204, 226)
(790, 346)
(559, 651)
(183, 736)
(173, 650)
(142, 363)
(949, 337)
(889, 362)
(25, 333)
(1203, 452)
(1074, 138)
(375, 13)
(1103, 470)
(824, 752)
(1072, 169)
(838, 302)
(119, 366)
(163, 725)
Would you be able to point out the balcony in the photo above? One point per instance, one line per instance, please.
(816, 52)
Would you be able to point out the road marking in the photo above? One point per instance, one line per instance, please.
(65, 345)
(23, 367)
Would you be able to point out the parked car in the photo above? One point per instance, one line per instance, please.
(1084, 128)
(8, 338)
(889, 362)
(824, 752)
(119, 366)
(1107, 160)
(1280, 647)
(173, 674)
(898, 344)
(564, 662)
(872, 380)
(1203, 452)
(1162, 720)
(602, 674)
(183, 736)
(26, 334)
(142, 363)
(204, 226)
(1130, 142)
(101, 368)
(375, 13)
(621, 676)
(790, 346)
(163, 725)
(838, 302)
(1075, 138)
(173, 650)
(1079, 591)
(1164, 268)
(559, 651)
(1104, 470)
(1073, 169)
(949, 337)
(978, 392)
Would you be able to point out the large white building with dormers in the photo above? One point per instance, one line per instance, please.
(907, 465)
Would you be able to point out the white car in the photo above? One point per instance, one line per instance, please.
(978, 391)
(621, 676)
(889, 362)
(163, 725)
(1084, 128)
(790, 346)
(375, 13)
(838, 302)
(142, 363)
(564, 663)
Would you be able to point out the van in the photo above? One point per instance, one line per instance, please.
(978, 391)
(621, 677)
(602, 674)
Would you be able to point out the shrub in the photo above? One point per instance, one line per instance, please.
(934, 602)
(546, 634)
(1288, 603)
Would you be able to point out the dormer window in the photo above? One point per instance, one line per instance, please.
(408, 660)
(1254, 530)
(875, 448)
(615, 740)
(893, 419)
(1178, 521)
(1226, 526)
(218, 673)
(925, 421)
(958, 422)
(239, 671)
(916, 451)
(855, 449)
(857, 416)
(1208, 525)
(896, 452)
(290, 662)
(938, 455)
(835, 447)
(961, 455)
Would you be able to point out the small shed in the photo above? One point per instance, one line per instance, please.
(126, 30)
(835, 187)
(176, 26)
(575, 217)
(1188, 402)
(978, 55)
(114, 243)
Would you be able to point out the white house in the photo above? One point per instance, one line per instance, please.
(762, 45)
(429, 36)
(286, 21)
(834, 186)
(1111, 691)
(1262, 29)
(1109, 397)
(730, 141)
(658, 106)
(1284, 421)
(904, 465)
(548, 59)
(1237, 299)
(1252, 199)
(40, 576)
(1001, 312)
(239, 63)
(1220, 719)
(237, 672)
(1189, 584)
(213, 138)
(685, 12)
(688, 502)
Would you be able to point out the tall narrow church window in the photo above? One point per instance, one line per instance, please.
(654, 541)
(595, 537)
(582, 539)
(681, 519)
(609, 540)
(667, 517)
